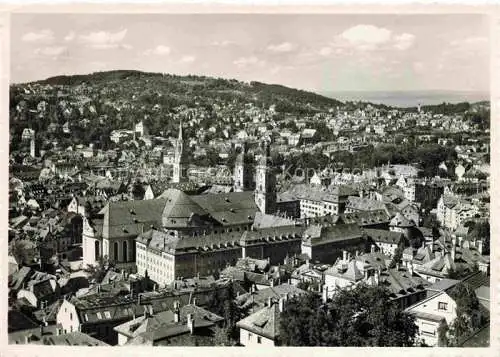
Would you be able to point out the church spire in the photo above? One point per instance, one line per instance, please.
(180, 130)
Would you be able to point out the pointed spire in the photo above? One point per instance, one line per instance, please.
(180, 130)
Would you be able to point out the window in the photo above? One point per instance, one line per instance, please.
(71, 316)
(107, 314)
(99, 316)
(259, 339)
(249, 336)
(442, 306)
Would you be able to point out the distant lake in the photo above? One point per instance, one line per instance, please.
(409, 98)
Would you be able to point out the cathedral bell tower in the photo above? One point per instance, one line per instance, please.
(265, 179)
(242, 171)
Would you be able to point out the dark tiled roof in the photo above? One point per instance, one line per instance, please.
(265, 322)
(383, 236)
(335, 233)
(130, 218)
(76, 338)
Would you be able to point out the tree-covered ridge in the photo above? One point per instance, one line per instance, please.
(184, 89)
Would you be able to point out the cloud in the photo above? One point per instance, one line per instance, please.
(366, 36)
(50, 51)
(470, 41)
(404, 41)
(43, 35)
(160, 50)
(224, 43)
(278, 68)
(369, 37)
(104, 39)
(418, 67)
(70, 36)
(187, 59)
(325, 51)
(282, 47)
(248, 61)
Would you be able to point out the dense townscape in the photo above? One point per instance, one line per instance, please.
(162, 210)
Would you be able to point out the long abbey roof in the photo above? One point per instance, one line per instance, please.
(176, 210)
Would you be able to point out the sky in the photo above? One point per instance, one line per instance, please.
(318, 52)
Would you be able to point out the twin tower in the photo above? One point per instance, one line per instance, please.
(263, 183)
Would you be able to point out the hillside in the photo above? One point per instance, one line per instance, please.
(179, 90)
(95, 104)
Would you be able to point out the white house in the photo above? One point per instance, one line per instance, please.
(430, 314)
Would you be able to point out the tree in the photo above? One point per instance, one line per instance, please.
(138, 191)
(222, 337)
(221, 302)
(97, 272)
(398, 255)
(467, 310)
(363, 316)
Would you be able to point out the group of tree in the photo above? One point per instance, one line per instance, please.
(222, 303)
(468, 316)
(363, 316)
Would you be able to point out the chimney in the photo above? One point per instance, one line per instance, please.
(325, 293)
(372, 248)
(190, 323)
(453, 241)
(194, 302)
(344, 255)
(410, 269)
(460, 242)
(357, 253)
(281, 304)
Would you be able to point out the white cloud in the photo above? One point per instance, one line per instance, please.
(418, 67)
(366, 36)
(43, 35)
(326, 51)
(187, 59)
(404, 41)
(282, 47)
(160, 50)
(70, 36)
(224, 43)
(248, 61)
(369, 37)
(104, 39)
(50, 51)
(470, 42)
(278, 68)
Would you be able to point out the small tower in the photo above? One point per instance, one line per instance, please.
(33, 146)
(179, 157)
(265, 189)
(242, 172)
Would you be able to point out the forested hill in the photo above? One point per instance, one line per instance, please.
(177, 90)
